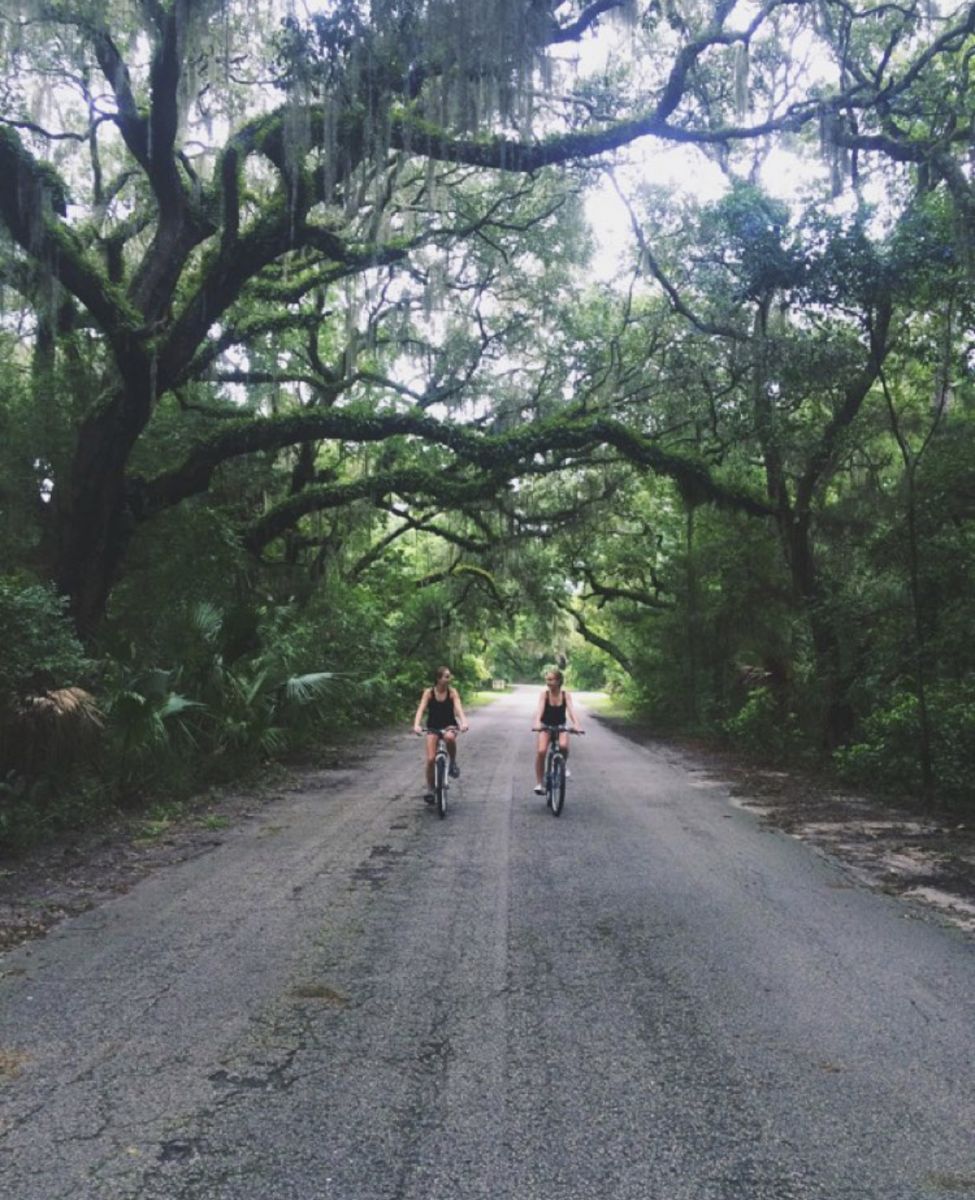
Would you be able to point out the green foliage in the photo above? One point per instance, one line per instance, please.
(40, 649)
(37, 807)
(150, 737)
(188, 557)
(471, 673)
(887, 756)
(763, 728)
(413, 281)
(49, 727)
(751, 228)
(511, 659)
(589, 668)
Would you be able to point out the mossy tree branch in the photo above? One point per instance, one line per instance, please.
(406, 481)
(511, 452)
(605, 644)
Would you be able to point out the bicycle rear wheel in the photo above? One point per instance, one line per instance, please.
(556, 792)
(547, 777)
(440, 784)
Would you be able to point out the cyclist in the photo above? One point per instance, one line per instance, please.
(554, 704)
(444, 714)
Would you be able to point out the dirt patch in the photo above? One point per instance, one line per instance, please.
(895, 845)
(74, 874)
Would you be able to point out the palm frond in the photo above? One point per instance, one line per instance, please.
(252, 688)
(156, 683)
(175, 704)
(206, 620)
(68, 704)
(302, 689)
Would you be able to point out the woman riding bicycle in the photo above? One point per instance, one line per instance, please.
(554, 705)
(444, 715)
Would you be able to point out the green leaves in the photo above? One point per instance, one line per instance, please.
(40, 650)
(144, 723)
(305, 689)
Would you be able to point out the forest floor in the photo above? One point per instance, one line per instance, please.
(897, 847)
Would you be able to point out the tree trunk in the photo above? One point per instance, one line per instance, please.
(692, 617)
(95, 519)
(838, 716)
(924, 717)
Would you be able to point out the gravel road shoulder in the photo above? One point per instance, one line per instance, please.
(74, 874)
(896, 846)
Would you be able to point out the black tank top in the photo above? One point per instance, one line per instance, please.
(440, 713)
(553, 714)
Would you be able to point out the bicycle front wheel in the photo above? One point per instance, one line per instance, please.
(440, 785)
(557, 789)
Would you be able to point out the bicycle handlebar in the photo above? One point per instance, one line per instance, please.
(436, 732)
(556, 729)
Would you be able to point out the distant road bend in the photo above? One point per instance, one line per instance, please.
(650, 998)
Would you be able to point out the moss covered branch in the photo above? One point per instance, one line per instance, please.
(410, 481)
(512, 453)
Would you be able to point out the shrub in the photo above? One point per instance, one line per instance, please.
(590, 670)
(40, 650)
(48, 724)
(761, 726)
(888, 752)
(471, 673)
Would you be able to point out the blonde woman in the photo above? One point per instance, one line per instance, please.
(554, 708)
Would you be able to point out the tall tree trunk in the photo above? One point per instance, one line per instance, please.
(912, 462)
(838, 717)
(692, 618)
(920, 680)
(95, 519)
(795, 505)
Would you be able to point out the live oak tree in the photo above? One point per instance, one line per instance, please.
(775, 351)
(185, 182)
(306, 368)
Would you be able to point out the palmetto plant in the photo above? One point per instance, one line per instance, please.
(148, 724)
(153, 730)
(258, 710)
(143, 722)
(247, 707)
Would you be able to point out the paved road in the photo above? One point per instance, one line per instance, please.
(650, 998)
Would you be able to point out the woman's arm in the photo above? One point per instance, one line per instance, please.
(424, 701)
(459, 710)
(571, 713)
(539, 708)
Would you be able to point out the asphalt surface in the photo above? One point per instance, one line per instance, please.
(649, 998)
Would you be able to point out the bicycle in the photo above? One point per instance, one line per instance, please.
(554, 766)
(441, 770)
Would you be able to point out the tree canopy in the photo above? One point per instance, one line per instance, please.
(307, 288)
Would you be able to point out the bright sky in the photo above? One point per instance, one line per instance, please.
(683, 169)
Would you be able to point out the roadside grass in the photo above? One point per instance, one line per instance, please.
(213, 821)
(164, 816)
(482, 698)
(162, 819)
(603, 704)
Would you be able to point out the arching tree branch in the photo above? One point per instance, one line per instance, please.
(594, 639)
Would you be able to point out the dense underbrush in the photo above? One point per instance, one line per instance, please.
(214, 696)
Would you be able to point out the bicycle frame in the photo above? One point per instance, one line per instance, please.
(555, 767)
(441, 763)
